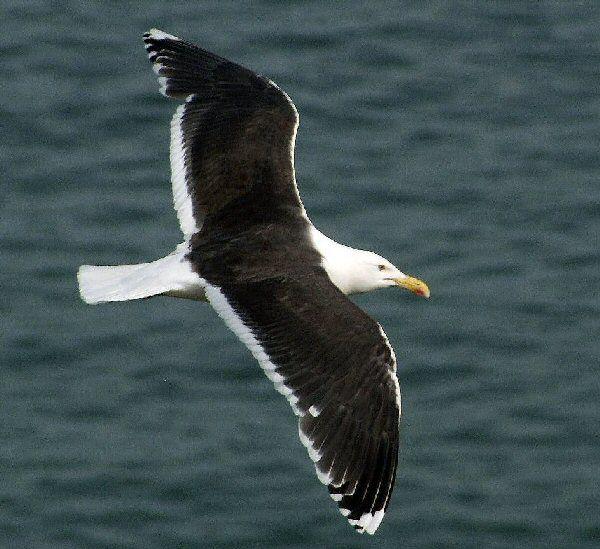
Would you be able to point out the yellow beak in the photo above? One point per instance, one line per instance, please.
(415, 285)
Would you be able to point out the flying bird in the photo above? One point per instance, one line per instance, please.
(278, 283)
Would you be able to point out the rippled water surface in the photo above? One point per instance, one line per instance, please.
(459, 139)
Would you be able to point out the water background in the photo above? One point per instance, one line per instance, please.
(459, 139)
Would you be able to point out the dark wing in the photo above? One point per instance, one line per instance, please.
(232, 138)
(338, 371)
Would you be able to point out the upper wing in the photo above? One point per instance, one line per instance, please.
(232, 139)
(336, 368)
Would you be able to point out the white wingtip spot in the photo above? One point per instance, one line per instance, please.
(157, 34)
(375, 522)
(368, 522)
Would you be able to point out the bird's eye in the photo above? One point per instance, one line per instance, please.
(381, 267)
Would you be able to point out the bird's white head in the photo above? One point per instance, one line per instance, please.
(356, 271)
(371, 272)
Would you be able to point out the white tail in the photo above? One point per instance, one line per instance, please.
(171, 275)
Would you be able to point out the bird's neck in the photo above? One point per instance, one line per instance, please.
(342, 263)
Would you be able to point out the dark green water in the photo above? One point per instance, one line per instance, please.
(459, 139)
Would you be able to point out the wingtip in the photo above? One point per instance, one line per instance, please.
(152, 41)
(368, 522)
(157, 34)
